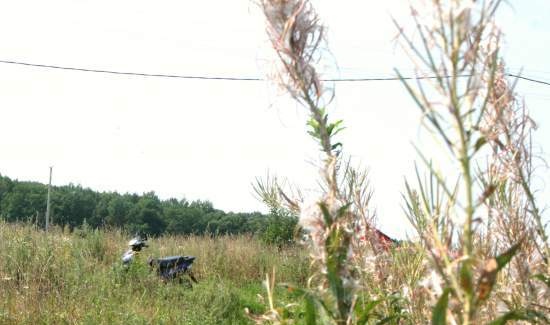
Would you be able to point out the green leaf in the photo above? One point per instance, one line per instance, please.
(311, 314)
(527, 315)
(313, 123)
(336, 248)
(490, 271)
(365, 313)
(310, 302)
(505, 257)
(314, 132)
(387, 320)
(334, 262)
(544, 278)
(326, 214)
(342, 211)
(338, 127)
(479, 143)
(512, 315)
(439, 313)
(466, 277)
(330, 127)
(489, 190)
(336, 146)
(334, 128)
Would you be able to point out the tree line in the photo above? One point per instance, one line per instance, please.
(72, 206)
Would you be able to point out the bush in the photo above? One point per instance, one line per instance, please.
(280, 228)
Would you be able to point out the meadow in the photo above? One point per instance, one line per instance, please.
(64, 277)
(480, 255)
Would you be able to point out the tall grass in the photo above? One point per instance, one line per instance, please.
(77, 278)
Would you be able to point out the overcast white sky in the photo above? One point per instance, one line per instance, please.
(210, 139)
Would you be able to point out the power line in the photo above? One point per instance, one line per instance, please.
(528, 79)
(139, 74)
(160, 75)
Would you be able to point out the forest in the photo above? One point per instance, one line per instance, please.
(73, 205)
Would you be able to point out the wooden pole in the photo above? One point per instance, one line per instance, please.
(48, 202)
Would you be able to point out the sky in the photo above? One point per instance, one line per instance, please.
(204, 139)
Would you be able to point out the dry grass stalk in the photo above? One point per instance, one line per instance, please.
(515, 216)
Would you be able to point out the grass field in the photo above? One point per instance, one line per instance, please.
(76, 277)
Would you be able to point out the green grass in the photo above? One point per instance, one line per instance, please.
(77, 278)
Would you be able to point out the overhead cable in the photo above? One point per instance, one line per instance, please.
(229, 78)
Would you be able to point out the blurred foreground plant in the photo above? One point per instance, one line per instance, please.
(338, 223)
(470, 106)
(470, 228)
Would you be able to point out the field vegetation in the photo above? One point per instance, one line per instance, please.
(481, 253)
(64, 277)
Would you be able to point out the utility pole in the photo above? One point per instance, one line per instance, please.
(48, 202)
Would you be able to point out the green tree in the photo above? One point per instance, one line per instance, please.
(280, 228)
(146, 215)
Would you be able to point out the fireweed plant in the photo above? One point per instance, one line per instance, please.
(482, 251)
(337, 224)
(472, 227)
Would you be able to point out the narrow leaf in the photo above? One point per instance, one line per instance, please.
(387, 320)
(326, 214)
(336, 146)
(489, 190)
(366, 312)
(487, 280)
(311, 316)
(490, 271)
(544, 278)
(505, 257)
(343, 210)
(511, 315)
(439, 313)
(466, 278)
(529, 315)
(479, 143)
